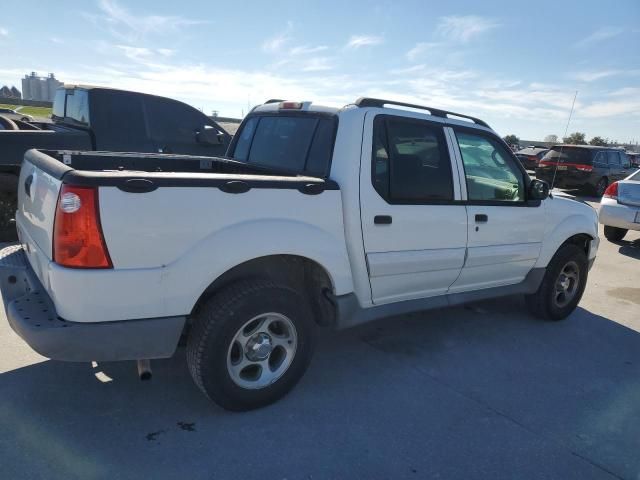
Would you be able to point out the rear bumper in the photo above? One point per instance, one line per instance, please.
(614, 214)
(32, 315)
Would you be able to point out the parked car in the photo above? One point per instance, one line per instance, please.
(13, 115)
(620, 207)
(95, 118)
(634, 158)
(586, 167)
(319, 217)
(530, 156)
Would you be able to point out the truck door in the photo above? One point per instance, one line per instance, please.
(505, 230)
(414, 226)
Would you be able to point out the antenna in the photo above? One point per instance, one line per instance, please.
(566, 130)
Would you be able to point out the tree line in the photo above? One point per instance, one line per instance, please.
(576, 138)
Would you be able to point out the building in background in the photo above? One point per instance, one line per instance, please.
(39, 88)
(12, 92)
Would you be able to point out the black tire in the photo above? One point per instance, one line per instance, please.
(543, 303)
(614, 234)
(600, 187)
(219, 320)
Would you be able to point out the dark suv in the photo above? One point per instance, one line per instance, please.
(586, 167)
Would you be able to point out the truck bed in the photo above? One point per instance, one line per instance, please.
(171, 224)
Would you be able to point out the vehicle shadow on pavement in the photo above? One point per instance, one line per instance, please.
(482, 389)
(630, 249)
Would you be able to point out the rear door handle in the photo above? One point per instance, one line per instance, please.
(382, 220)
(481, 218)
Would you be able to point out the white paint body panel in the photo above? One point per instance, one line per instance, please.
(168, 245)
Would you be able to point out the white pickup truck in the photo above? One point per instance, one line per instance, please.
(318, 217)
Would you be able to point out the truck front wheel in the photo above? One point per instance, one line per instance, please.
(250, 344)
(562, 286)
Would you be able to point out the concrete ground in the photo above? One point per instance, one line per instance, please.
(482, 391)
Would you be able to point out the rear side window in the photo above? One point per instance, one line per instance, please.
(613, 158)
(58, 103)
(410, 161)
(296, 143)
(569, 155)
(78, 106)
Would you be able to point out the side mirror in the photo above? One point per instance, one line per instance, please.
(209, 136)
(538, 190)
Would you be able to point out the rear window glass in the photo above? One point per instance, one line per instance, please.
(296, 143)
(569, 155)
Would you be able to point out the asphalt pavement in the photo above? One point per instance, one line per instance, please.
(481, 391)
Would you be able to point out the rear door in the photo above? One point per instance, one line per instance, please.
(616, 170)
(504, 231)
(414, 225)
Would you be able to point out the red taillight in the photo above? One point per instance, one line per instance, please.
(290, 105)
(546, 163)
(78, 241)
(584, 168)
(612, 191)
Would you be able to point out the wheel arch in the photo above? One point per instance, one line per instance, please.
(297, 271)
(574, 229)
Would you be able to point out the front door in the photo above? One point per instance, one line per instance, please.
(505, 231)
(414, 224)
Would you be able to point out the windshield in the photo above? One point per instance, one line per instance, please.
(296, 143)
(568, 155)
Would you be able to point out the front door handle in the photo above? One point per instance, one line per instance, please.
(481, 218)
(27, 185)
(382, 220)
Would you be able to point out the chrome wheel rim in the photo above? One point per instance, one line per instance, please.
(567, 283)
(262, 350)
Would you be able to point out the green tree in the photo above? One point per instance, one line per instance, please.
(576, 138)
(551, 138)
(599, 141)
(511, 139)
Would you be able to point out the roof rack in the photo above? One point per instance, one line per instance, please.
(377, 102)
(273, 100)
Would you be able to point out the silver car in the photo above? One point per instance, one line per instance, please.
(620, 207)
(13, 115)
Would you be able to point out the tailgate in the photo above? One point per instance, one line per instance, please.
(629, 193)
(37, 200)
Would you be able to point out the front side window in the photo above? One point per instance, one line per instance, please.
(410, 161)
(78, 106)
(491, 173)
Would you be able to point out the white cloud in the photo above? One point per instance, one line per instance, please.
(420, 49)
(630, 106)
(591, 76)
(124, 24)
(57, 40)
(166, 52)
(357, 41)
(4, 32)
(317, 64)
(462, 28)
(603, 33)
(276, 43)
(307, 50)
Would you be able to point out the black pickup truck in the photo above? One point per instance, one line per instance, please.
(97, 118)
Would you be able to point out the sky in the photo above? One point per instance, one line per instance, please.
(516, 65)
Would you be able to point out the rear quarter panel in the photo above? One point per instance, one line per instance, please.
(185, 238)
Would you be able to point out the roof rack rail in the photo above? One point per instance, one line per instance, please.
(378, 102)
(273, 100)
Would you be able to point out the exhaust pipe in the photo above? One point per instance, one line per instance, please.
(144, 369)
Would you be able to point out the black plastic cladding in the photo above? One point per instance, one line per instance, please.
(142, 182)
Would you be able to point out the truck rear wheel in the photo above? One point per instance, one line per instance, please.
(250, 344)
(562, 286)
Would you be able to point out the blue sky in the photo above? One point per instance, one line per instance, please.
(515, 64)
